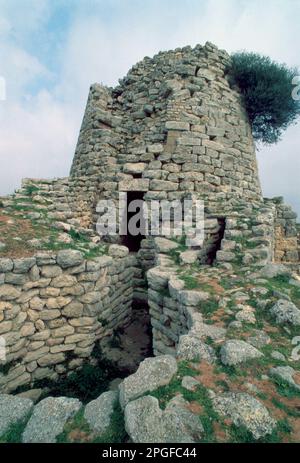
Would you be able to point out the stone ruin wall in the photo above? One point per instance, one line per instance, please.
(173, 126)
(54, 308)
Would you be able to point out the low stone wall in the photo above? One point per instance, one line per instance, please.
(54, 307)
(286, 232)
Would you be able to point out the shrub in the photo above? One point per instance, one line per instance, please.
(267, 88)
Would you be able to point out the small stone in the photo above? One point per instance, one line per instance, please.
(164, 245)
(260, 339)
(69, 258)
(278, 355)
(189, 383)
(118, 251)
(188, 257)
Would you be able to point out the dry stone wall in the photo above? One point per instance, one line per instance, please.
(55, 307)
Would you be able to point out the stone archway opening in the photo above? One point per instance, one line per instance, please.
(133, 221)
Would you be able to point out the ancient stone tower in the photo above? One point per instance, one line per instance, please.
(173, 126)
(173, 129)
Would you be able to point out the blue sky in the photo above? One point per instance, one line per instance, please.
(52, 50)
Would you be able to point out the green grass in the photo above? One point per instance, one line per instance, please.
(30, 189)
(14, 434)
(284, 388)
(190, 282)
(207, 308)
(294, 412)
(78, 422)
(116, 434)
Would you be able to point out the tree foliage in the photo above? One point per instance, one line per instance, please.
(267, 89)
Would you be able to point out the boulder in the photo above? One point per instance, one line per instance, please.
(69, 258)
(118, 251)
(272, 270)
(13, 409)
(6, 265)
(98, 412)
(245, 410)
(24, 265)
(192, 348)
(145, 422)
(235, 351)
(164, 245)
(286, 312)
(151, 374)
(49, 418)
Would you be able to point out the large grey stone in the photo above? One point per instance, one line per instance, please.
(49, 418)
(116, 250)
(192, 348)
(236, 351)
(98, 412)
(273, 270)
(286, 312)
(151, 374)
(164, 245)
(6, 265)
(69, 258)
(245, 410)
(24, 265)
(145, 422)
(13, 410)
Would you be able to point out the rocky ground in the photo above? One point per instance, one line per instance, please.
(236, 377)
(243, 385)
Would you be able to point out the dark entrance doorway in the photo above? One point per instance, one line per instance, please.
(133, 240)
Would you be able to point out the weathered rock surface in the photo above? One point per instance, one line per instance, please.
(236, 351)
(49, 418)
(145, 422)
(13, 410)
(151, 374)
(98, 412)
(192, 348)
(245, 410)
(286, 312)
(69, 258)
(286, 373)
